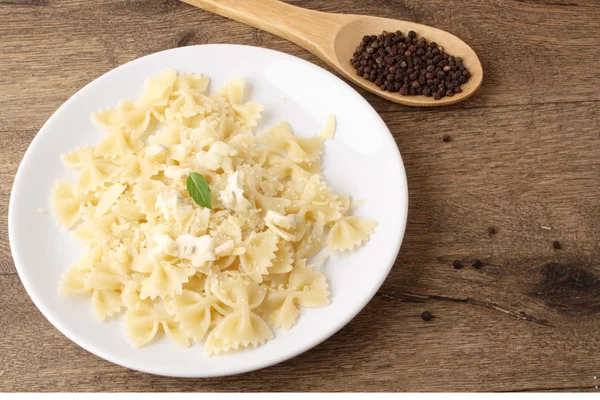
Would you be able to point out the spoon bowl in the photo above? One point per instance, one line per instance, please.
(351, 34)
(334, 38)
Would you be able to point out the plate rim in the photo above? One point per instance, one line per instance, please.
(332, 330)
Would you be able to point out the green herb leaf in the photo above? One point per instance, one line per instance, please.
(198, 189)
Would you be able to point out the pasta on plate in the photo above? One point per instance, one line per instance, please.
(227, 275)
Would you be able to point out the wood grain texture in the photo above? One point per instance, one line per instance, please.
(333, 38)
(524, 156)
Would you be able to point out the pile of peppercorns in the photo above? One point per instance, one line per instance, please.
(408, 65)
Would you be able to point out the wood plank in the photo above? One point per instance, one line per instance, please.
(522, 65)
(465, 347)
(14, 144)
(524, 156)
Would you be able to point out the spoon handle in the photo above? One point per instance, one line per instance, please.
(313, 30)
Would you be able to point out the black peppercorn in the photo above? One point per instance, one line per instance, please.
(426, 316)
(476, 263)
(446, 138)
(409, 65)
(556, 245)
(492, 230)
(457, 264)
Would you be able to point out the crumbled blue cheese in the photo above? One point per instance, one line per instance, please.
(198, 250)
(172, 204)
(280, 223)
(232, 196)
(283, 221)
(217, 156)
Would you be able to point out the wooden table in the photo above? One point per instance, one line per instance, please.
(524, 157)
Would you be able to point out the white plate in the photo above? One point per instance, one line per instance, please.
(362, 160)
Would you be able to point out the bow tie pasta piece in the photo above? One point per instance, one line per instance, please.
(197, 283)
(145, 194)
(116, 144)
(174, 331)
(142, 326)
(131, 169)
(223, 275)
(79, 157)
(350, 232)
(311, 286)
(106, 281)
(93, 175)
(313, 238)
(95, 230)
(238, 291)
(190, 82)
(305, 288)
(281, 138)
(187, 105)
(169, 135)
(247, 114)
(166, 279)
(242, 327)
(130, 294)
(135, 117)
(108, 119)
(318, 198)
(245, 144)
(66, 206)
(284, 258)
(104, 278)
(73, 281)
(158, 89)
(106, 303)
(260, 251)
(227, 230)
(126, 208)
(193, 312)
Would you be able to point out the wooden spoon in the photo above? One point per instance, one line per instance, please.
(334, 37)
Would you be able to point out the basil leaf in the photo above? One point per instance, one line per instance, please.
(198, 189)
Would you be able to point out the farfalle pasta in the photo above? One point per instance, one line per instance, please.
(226, 276)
